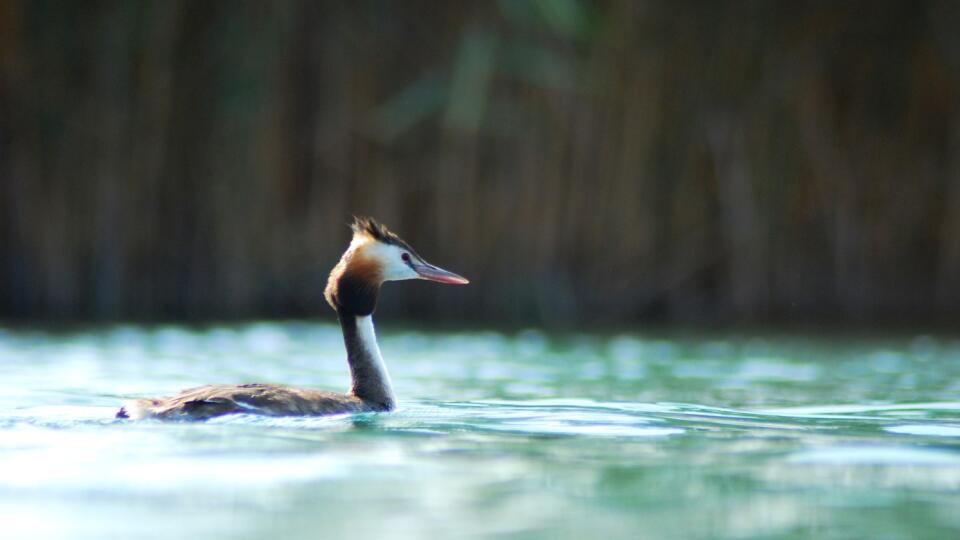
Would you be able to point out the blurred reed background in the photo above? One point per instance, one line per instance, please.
(583, 162)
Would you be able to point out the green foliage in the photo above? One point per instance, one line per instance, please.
(579, 161)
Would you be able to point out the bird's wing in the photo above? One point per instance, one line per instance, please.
(266, 399)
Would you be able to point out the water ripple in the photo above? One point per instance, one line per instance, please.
(528, 436)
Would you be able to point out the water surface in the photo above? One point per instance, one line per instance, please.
(496, 436)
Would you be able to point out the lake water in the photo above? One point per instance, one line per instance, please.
(497, 436)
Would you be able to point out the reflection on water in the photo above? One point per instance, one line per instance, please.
(526, 436)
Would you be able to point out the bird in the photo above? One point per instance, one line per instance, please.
(375, 255)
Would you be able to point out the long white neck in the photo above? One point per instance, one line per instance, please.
(371, 381)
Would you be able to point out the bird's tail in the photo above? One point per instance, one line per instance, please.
(137, 409)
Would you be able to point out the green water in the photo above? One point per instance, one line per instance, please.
(497, 436)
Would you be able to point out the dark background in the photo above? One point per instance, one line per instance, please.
(582, 162)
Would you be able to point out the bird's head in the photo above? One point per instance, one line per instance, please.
(376, 255)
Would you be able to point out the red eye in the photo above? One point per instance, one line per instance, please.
(405, 257)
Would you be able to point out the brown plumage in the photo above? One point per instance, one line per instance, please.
(375, 255)
(378, 231)
(267, 399)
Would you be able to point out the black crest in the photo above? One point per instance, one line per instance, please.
(378, 231)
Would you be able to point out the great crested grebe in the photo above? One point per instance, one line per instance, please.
(375, 255)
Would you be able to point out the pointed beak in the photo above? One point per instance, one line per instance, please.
(431, 272)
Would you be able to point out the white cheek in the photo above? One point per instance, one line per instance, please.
(394, 267)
